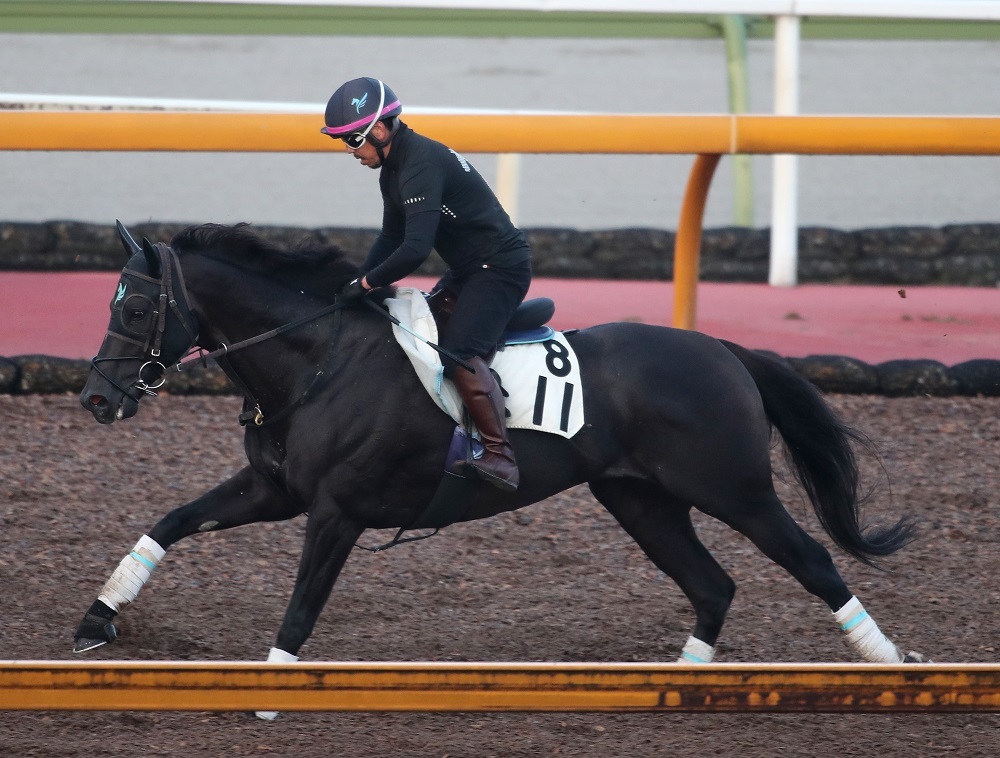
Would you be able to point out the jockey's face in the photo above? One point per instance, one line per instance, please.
(367, 153)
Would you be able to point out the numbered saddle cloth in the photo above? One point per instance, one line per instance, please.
(540, 380)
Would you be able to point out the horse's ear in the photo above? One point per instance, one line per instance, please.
(152, 258)
(130, 245)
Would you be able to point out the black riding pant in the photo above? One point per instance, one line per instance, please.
(487, 298)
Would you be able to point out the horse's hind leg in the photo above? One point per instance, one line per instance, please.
(664, 531)
(764, 520)
(244, 499)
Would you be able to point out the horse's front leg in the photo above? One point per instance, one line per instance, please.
(330, 536)
(246, 498)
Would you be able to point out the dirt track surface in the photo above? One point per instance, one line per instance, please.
(555, 582)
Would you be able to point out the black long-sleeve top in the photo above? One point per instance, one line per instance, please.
(434, 199)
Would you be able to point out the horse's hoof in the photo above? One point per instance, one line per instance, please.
(109, 634)
(915, 657)
(97, 628)
(83, 645)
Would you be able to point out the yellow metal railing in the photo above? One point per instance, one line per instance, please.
(467, 687)
(514, 133)
(706, 136)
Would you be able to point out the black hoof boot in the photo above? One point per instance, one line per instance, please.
(96, 629)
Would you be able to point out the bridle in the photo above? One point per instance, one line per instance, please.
(172, 296)
(162, 351)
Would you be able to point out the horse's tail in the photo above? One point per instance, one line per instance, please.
(820, 451)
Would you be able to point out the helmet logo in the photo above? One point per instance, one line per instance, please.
(359, 102)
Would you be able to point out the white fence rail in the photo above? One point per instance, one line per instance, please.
(969, 10)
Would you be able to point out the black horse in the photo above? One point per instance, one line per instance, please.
(339, 428)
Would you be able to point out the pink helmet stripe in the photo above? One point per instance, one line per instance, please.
(355, 125)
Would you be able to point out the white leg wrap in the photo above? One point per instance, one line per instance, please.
(276, 656)
(863, 633)
(696, 651)
(133, 572)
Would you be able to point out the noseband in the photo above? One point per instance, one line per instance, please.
(151, 340)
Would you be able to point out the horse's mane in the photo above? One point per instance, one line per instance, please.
(311, 267)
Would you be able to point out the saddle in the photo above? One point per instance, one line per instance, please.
(527, 325)
(539, 376)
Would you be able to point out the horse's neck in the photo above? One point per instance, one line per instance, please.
(234, 307)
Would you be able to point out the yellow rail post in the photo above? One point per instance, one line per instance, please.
(687, 244)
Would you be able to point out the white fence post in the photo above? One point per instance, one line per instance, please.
(783, 271)
(508, 183)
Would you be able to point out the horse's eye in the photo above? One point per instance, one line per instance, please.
(136, 315)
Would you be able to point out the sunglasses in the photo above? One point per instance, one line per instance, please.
(356, 140)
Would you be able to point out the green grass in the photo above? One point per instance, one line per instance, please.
(117, 17)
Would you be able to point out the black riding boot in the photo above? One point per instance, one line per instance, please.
(484, 401)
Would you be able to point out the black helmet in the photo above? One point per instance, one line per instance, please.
(357, 105)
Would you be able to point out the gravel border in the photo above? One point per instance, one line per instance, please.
(40, 374)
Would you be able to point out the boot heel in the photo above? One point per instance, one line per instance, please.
(506, 485)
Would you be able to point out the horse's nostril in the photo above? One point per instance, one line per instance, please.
(96, 400)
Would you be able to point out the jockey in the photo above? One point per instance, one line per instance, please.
(433, 198)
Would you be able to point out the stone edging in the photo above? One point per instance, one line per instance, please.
(39, 374)
(955, 255)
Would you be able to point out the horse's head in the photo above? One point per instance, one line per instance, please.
(151, 327)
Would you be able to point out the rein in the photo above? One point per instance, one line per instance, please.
(170, 272)
(226, 349)
(254, 412)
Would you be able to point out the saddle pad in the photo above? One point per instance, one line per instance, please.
(541, 381)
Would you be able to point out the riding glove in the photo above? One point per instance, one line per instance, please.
(353, 290)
